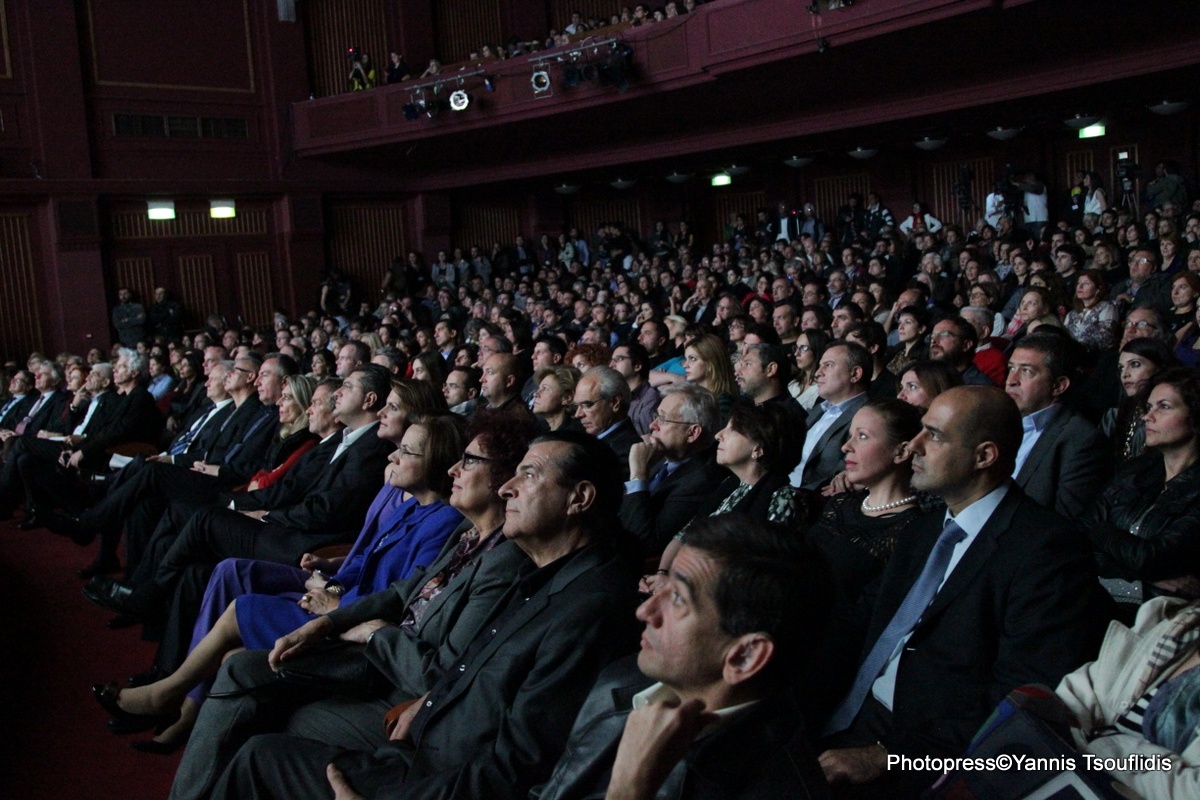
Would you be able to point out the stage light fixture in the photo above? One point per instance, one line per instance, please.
(540, 81)
(459, 100)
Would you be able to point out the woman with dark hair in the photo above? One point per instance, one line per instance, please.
(161, 379)
(1139, 361)
(1144, 524)
(1185, 289)
(1096, 201)
(1017, 282)
(1036, 303)
(759, 446)
(810, 346)
(922, 381)
(911, 324)
(405, 528)
(189, 392)
(430, 368)
(1094, 321)
(324, 364)
(858, 529)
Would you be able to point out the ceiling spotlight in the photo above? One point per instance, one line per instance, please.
(566, 188)
(540, 81)
(1167, 108)
(737, 169)
(459, 100)
(622, 183)
(1002, 134)
(796, 162)
(680, 177)
(863, 153)
(822, 44)
(222, 209)
(160, 209)
(1081, 121)
(928, 143)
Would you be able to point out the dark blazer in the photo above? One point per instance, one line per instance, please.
(760, 754)
(132, 417)
(17, 412)
(495, 725)
(54, 416)
(655, 515)
(827, 459)
(413, 659)
(1070, 463)
(204, 440)
(1022, 606)
(320, 495)
(620, 440)
(248, 450)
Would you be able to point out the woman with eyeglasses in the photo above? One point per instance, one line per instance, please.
(405, 528)
(553, 399)
(810, 346)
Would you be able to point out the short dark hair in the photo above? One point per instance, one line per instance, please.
(772, 427)
(1061, 357)
(770, 582)
(639, 357)
(769, 353)
(589, 459)
(871, 332)
(287, 365)
(471, 377)
(419, 397)
(1187, 383)
(824, 314)
(856, 356)
(557, 346)
(376, 379)
(853, 309)
(362, 350)
(965, 330)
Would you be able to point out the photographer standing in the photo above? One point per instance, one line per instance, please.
(362, 72)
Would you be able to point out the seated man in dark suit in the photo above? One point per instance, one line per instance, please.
(602, 407)
(50, 409)
(994, 593)
(320, 502)
(1063, 460)
(495, 724)
(842, 377)
(13, 410)
(673, 468)
(954, 340)
(714, 653)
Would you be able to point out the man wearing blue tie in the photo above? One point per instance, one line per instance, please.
(991, 594)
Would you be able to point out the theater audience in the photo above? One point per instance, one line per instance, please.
(1124, 424)
(925, 380)
(842, 378)
(810, 346)
(553, 399)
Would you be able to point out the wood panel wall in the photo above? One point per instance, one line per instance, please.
(131, 225)
(463, 26)
(830, 193)
(20, 323)
(589, 214)
(482, 225)
(561, 10)
(1079, 161)
(136, 274)
(943, 202)
(745, 203)
(198, 279)
(254, 285)
(363, 241)
(333, 27)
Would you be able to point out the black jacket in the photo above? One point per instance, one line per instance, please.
(655, 515)
(1166, 515)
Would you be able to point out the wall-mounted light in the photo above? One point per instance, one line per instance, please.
(796, 162)
(863, 153)
(1167, 107)
(160, 209)
(1081, 121)
(1002, 134)
(721, 179)
(222, 209)
(929, 144)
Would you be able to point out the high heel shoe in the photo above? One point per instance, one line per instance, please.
(107, 694)
(157, 748)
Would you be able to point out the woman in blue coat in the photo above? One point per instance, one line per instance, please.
(405, 528)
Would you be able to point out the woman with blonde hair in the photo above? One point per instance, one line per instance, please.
(553, 399)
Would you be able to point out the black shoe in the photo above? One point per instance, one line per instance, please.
(101, 566)
(144, 677)
(69, 525)
(121, 622)
(120, 727)
(107, 694)
(30, 523)
(111, 594)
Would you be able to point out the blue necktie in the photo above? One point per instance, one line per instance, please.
(184, 442)
(659, 476)
(903, 622)
(254, 426)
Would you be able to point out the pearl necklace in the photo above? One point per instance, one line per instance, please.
(886, 506)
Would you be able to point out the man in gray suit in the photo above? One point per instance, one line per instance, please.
(842, 378)
(1063, 460)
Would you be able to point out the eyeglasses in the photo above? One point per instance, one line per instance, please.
(405, 452)
(1141, 325)
(945, 335)
(243, 369)
(661, 420)
(620, 358)
(471, 460)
